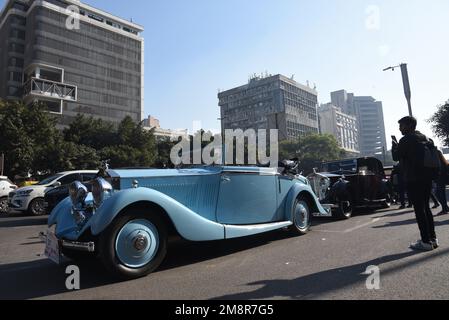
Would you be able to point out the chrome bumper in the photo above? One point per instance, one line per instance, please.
(74, 245)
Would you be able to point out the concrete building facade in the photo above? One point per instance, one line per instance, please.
(342, 126)
(271, 102)
(96, 69)
(370, 117)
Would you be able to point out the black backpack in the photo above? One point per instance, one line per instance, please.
(430, 158)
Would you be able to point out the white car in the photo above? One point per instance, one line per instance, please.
(6, 186)
(31, 199)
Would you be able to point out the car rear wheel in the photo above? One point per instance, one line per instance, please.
(37, 207)
(301, 217)
(3, 205)
(134, 245)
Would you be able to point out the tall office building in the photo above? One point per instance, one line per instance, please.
(271, 102)
(369, 114)
(96, 69)
(342, 126)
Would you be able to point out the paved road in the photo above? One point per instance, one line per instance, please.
(325, 264)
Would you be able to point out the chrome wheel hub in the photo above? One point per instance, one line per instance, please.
(140, 242)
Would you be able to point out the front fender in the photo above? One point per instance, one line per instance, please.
(189, 224)
(295, 191)
(340, 190)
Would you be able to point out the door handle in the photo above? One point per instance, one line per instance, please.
(225, 179)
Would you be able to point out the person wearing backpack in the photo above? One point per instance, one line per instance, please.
(442, 182)
(417, 158)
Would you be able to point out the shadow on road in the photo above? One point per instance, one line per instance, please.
(27, 222)
(182, 252)
(310, 286)
(43, 278)
(408, 222)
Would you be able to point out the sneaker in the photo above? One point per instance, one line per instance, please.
(436, 206)
(442, 213)
(421, 246)
(435, 243)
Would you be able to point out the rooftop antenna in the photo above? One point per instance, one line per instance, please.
(292, 77)
(308, 83)
(314, 86)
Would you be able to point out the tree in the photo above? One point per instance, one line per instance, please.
(28, 135)
(90, 132)
(134, 146)
(311, 150)
(440, 123)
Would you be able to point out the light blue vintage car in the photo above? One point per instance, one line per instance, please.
(126, 219)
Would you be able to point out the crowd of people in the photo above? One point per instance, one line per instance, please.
(422, 174)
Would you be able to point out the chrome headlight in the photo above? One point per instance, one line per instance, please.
(78, 193)
(100, 190)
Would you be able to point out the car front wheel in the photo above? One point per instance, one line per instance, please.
(134, 245)
(301, 217)
(3, 205)
(36, 207)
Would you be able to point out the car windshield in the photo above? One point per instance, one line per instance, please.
(349, 166)
(48, 180)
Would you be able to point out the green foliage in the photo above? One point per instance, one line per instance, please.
(440, 123)
(87, 131)
(27, 136)
(311, 150)
(32, 143)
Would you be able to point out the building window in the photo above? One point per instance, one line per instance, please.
(15, 76)
(18, 20)
(13, 91)
(16, 47)
(19, 34)
(16, 62)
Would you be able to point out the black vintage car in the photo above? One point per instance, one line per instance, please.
(350, 184)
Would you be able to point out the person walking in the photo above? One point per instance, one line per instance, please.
(418, 179)
(442, 181)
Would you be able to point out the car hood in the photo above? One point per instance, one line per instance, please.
(160, 173)
(327, 175)
(33, 188)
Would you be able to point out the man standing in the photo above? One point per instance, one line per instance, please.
(418, 179)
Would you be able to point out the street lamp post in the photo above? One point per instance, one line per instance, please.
(406, 83)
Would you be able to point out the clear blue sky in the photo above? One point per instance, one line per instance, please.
(194, 47)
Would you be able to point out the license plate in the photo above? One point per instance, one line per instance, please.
(52, 251)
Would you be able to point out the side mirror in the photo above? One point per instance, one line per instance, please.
(57, 184)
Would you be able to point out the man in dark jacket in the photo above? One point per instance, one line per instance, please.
(418, 179)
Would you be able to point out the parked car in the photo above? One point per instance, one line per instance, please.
(6, 186)
(349, 184)
(126, 218)
(25, 182)
(56, 195)
(31, 199)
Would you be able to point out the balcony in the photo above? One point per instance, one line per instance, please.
(36, 87)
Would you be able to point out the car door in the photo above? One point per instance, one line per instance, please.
(247, 198)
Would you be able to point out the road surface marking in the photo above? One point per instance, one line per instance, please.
(349, 230)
